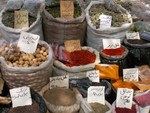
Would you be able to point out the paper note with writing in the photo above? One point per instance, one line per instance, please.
(133, 36)
(130, 74)
(124, 98)
(60, 81)
(67, 9)
(28, 42)
(93, 75)
(105, 21)
(21, 19)
(96, 94)
(72, 45)
(111, 43)
(20, 96)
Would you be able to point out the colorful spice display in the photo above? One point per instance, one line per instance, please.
(114, 52)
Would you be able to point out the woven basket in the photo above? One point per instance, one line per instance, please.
(34, 77)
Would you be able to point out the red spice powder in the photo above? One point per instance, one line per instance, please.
(126, 110)
(114, 52)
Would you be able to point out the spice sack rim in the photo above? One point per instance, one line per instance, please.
(118, 57)
(111, 29)
(29, 69)
(80, 68)
(77, 20)
(13, 30)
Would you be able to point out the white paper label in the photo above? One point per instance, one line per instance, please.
(133, 36)
(96, 94)
(124, 98)
(28, 42)
(130, 74)
(111, 43)
(105, 21)
(60, 81)
(93, 75)
(20, 96)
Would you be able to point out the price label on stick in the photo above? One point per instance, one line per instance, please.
(21, 19)
(67, 9)
(72, 45)
(28, 42)
(105, 21)
(133, 36)
(96, 94)
(20, 96)
(111, 43)
(93, 75)
(130, 74)
(124, 98)
(60, 81)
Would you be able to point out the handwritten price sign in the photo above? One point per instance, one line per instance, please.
(21, 19)
(133, 36)
(124, 98)
(130, 74)
(96, 94)
(21, 96)
(105, 21)
(111, 43)
(28, 42)
(60, 81)
(93, 75)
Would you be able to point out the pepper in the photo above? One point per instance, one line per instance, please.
(114, 52)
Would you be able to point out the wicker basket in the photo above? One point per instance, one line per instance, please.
(34, 77)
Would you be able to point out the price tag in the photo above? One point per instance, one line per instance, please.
(111, 43)
(60, 81)
(20, 96)
(96, 94)
(72, 45)
(105, 21)
(124, 98)
(67, 9)
(133, 36)
(130, 74)
(21, 19)
(93, 75)
(1, 85)
(28, 42)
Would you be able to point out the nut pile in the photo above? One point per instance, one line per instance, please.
(17, 58)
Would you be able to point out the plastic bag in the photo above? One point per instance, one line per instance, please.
(143, 99)
(32, 6)
(108, 71)
(144, 72)
(14, 5)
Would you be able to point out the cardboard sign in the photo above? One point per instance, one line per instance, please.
(105, 21)
(67, 9)
(130, 74)
(93, 75)
(60, 81)
(20, 96)
(21, 19)
(1, 85)
(28, 42)
(111, 43)
(124, 98)
(72, 45)
(133, 36)
(96, 94)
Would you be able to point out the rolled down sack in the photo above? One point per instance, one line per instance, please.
(61, 69)
(34, 77)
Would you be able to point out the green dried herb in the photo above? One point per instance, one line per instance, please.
(54, 9)
(96, 10)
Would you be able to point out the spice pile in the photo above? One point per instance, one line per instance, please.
(114, 52)
(96, 10)
(99, 108)
(60, 96)
(8, 19)
(17, 58)
(54, 9)
(136, 41)
(34, 108)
